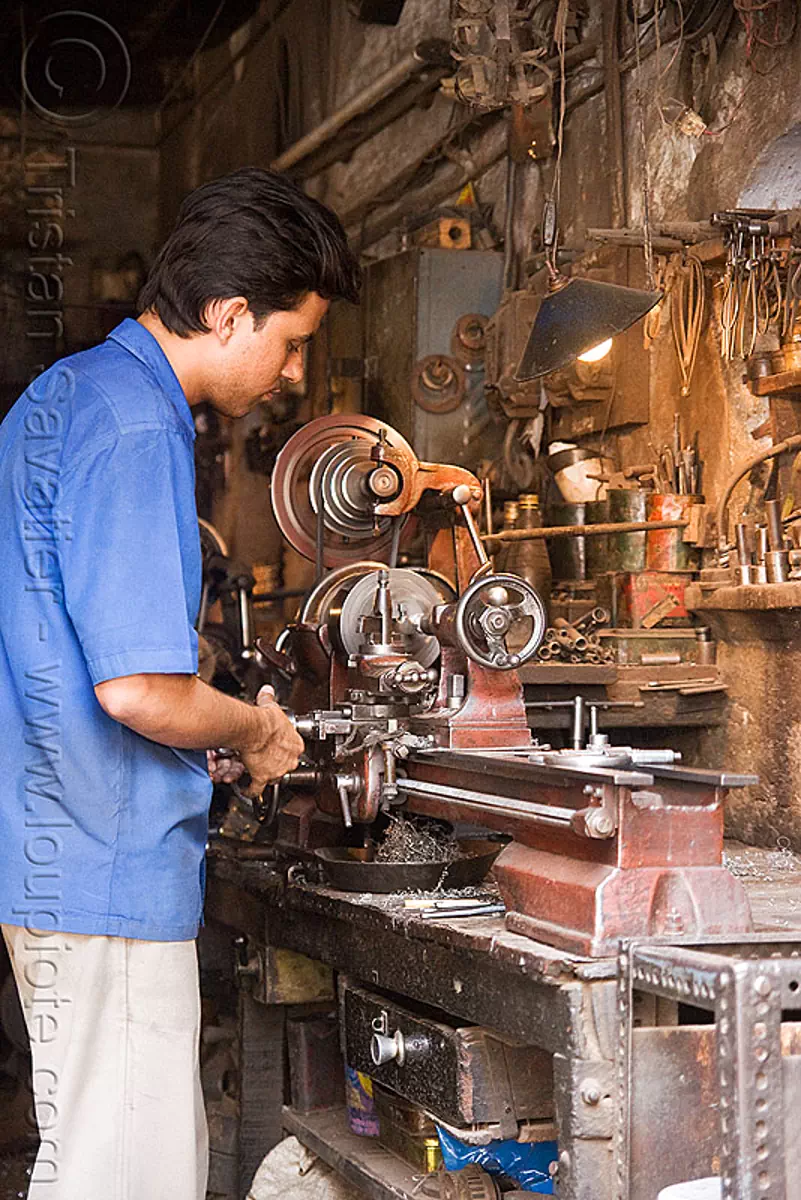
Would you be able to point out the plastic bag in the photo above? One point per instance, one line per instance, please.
(525, 1162)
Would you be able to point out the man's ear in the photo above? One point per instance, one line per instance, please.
(223, 316)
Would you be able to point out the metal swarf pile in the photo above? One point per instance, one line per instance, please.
(406, 842)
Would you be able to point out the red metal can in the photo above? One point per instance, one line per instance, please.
(666, 549)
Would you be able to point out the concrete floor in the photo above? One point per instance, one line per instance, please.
(17, 1145)
(14, 1176)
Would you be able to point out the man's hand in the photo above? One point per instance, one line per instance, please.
(277, 752)
(225, 766)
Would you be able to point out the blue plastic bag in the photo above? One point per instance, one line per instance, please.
(525, 1162)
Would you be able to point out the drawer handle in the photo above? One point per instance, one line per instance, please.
(397, 1048)
(386, 1049)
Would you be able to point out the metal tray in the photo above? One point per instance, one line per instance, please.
(351, 874)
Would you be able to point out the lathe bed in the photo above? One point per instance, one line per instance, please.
(479, 972)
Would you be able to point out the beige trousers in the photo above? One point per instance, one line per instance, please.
(114, 1027)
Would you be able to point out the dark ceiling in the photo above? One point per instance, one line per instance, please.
(80, 57)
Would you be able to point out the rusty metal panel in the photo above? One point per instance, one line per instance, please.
(750, 985)
(674, 1118)
(791, 1081)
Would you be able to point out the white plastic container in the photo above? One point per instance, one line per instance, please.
(693, 1189)
(576, 472)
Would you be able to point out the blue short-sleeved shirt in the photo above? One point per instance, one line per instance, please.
(101, 830)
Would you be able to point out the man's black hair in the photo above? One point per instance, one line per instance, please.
(252, 233)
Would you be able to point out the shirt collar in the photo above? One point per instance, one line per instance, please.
(137, 340)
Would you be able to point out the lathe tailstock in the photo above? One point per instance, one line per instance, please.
(406, 690)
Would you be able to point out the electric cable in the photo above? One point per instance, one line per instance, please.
(687, 311)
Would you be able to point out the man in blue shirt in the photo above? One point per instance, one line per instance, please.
(104, 810)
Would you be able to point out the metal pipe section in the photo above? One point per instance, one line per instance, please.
(775, 530)
(411, 64)
(550, 531)
(578, 723)
(790, 443)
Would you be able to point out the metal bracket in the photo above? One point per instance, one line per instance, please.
(501, 1085)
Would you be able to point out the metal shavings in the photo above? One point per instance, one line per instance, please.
(394, 901)
(783, 858)
(406, 842)
(743, 867)
(756, 863)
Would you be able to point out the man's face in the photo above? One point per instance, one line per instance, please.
(248, 366)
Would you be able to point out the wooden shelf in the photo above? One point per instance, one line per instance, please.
(360, 1160)
(756, 597)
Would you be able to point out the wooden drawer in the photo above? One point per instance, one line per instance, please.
(463, 1074)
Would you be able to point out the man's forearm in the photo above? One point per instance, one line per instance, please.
(182, 711)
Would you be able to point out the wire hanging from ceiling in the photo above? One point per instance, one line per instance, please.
(648, 248)
(769, 25)
(552, 203)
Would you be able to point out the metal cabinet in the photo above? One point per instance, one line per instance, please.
(412, 307)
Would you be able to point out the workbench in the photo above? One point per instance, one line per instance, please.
(473, 969)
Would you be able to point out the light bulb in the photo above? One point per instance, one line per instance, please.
(596, 353)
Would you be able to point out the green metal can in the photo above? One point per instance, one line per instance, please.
(626, 551)
(596, 546)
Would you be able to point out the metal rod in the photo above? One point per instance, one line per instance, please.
(388, 82)
(551, 814)
(344, 803)
(246, 631)
(463, 502)
(279, 594)
(383, 607)
(683, 232)
(551, 531)
(743, 555)
(204, 607)
(578, 723)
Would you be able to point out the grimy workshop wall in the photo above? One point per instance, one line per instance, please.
(254, 99)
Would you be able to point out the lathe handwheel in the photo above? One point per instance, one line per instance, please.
(486, 615)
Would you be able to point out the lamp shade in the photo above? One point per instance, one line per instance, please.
(576, 315)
